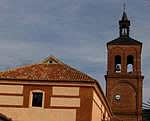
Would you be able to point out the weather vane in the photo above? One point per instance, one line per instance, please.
(124, 6)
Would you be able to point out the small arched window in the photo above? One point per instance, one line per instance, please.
(130, 63)
(118, 63)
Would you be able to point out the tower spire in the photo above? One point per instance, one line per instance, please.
(124, 23)
(124, 16)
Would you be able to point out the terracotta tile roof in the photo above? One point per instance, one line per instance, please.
(125, 40)
(49, 69)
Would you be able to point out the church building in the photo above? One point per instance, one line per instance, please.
(53, 91)
(124, 81)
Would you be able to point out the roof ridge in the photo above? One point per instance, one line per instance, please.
(40, 71)
(17, 67)
(41, 62)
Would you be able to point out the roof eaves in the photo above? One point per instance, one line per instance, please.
(124, 41)
(49, 81)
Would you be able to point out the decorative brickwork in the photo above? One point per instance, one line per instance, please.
(124, 80)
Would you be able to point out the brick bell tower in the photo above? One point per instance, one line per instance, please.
(124, 81)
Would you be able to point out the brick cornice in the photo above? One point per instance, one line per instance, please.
(124, 76)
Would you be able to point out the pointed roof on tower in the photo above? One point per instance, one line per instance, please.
(124, 38)
(124, 16)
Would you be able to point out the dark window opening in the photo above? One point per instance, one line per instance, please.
(37, 98)
(124, 31)
(118, 64)
(50, 61)
(130, 63)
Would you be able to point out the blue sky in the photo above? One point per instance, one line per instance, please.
(75, 31)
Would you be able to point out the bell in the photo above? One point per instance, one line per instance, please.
(118, 69)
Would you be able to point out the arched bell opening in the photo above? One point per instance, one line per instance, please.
(118, 64)
(130, 64)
